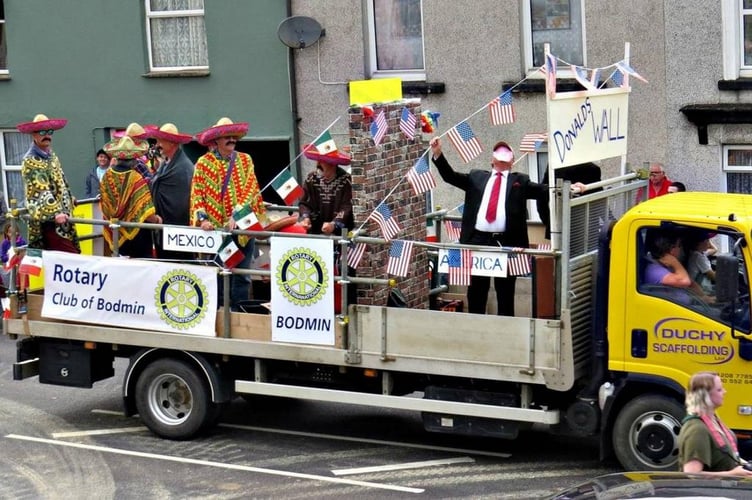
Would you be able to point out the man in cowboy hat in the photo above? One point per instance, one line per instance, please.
(125, 196)
(223, 180)
(48, 196)
(171, 184)
(145, 165)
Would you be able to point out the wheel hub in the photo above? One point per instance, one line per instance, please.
(655, 437)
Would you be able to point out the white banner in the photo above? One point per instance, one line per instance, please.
(484, 263)
(302, 290)
(191, 239)
(130, 293)
(587, 126)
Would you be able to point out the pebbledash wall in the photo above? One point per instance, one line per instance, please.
(376, 170)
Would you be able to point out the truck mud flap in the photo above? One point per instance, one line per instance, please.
(469, 425)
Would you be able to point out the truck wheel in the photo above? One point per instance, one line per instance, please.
(646, 433)
(172, 399)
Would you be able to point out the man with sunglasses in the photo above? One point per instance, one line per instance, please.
(658, 184)
(48, 195)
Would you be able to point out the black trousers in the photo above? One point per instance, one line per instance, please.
(477, 292)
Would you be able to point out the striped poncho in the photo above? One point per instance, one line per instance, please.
(125, 197)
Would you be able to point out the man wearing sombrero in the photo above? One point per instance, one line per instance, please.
(125, 196)
(225, 179)
(48, 196)
(171, 184)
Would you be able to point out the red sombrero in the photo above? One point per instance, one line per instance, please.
(41, 122)
(223, 128)
(169, 132)
(333, 157)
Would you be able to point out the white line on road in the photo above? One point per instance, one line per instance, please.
(109, 412)
(118, 451)
(97, 432)
(365, 440)
(407, 465)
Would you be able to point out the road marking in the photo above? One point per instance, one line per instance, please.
(193, 461)
(97, 432)
(407, 465)
(366, 440)
(109, 412)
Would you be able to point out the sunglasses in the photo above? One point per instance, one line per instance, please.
(46, 132)
(656, 173)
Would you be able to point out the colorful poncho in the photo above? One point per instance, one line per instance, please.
(47, 194)
(126, 197)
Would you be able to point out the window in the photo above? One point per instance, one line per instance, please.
(395, 39)
(3, 46)
(736, 19)
(537, 163)
(737, 166)
(13, 147)
(176, 35)
(557, 22)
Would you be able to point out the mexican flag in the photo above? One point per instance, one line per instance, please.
(229, 255)
(246, 218)
(325, 144)
(287, 187)
(31, 263)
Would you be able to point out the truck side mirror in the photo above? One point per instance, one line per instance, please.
(726, 277)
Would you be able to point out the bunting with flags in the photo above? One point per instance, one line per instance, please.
(229, 254)
(453, 228)
(501, 109)
(628, 70)
(383, 217)
(408, 122)
(464, 141)
(355, 254)
(379, 128)
(325, 144)
(532, 141)
(246, 219)
(32, 262)
(287, 187)
(590, 82)
(518, 264)
(400, 254)
(460, 262)
(549, 69)
(420, 176)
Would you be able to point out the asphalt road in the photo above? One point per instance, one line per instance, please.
(62, 442)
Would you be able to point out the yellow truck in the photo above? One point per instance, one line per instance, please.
(611, 358)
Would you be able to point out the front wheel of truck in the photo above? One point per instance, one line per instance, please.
(646, 433)
(173, 399)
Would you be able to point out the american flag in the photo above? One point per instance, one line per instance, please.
(581, 75)
(408, 123)
(453, 228)
(465, 142)
(400, 255)
(549, 69)
(531, 142)
(618, 78)
(379, 128)
(518, 264)
(354, 254)
(502, 109)
(629, 70)
(460, 266)
(383, 217)
(420, 177)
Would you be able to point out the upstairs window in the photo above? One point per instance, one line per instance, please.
(736, 19)
(559, 23)
(176, 35)
(13, 147)
(395, 39)
(3, 46)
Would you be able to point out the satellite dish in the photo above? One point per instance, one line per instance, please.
(298, 32)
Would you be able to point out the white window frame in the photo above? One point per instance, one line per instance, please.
(3, 71)
(732, 36)
(5, 168)
(736, 168)
(533, 169)
(527, 44)
(166, 14)
(371, 59)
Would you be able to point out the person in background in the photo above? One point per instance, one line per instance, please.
(223, 180)
(658, 183)
(706, 444)
(699, 250)
(677, 187)
(5, 247)
(144, 165)
(94, 177)
(48, 195)
(125, 196)
(171, 184)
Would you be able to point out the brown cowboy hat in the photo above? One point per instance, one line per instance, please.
(332, 158)
(223, 128)
(126, 148)
(41, 122)
(169, 132)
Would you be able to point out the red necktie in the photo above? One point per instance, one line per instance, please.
(493, 201)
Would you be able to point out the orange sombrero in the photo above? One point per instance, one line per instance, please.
(41, 122)
(169, 132)
(223, 128)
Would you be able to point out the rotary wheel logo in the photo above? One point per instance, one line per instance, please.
(302, 276)
(181, 299)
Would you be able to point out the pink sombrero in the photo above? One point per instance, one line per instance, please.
(332, 157)
(126, 148)
(223, 128)
(169, 132)
(41, 122)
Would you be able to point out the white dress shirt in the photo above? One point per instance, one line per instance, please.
(500, 224)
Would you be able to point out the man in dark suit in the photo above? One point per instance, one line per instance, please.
(492, 219)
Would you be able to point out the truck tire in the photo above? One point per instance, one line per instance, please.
(173, 400)
(646, 433)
